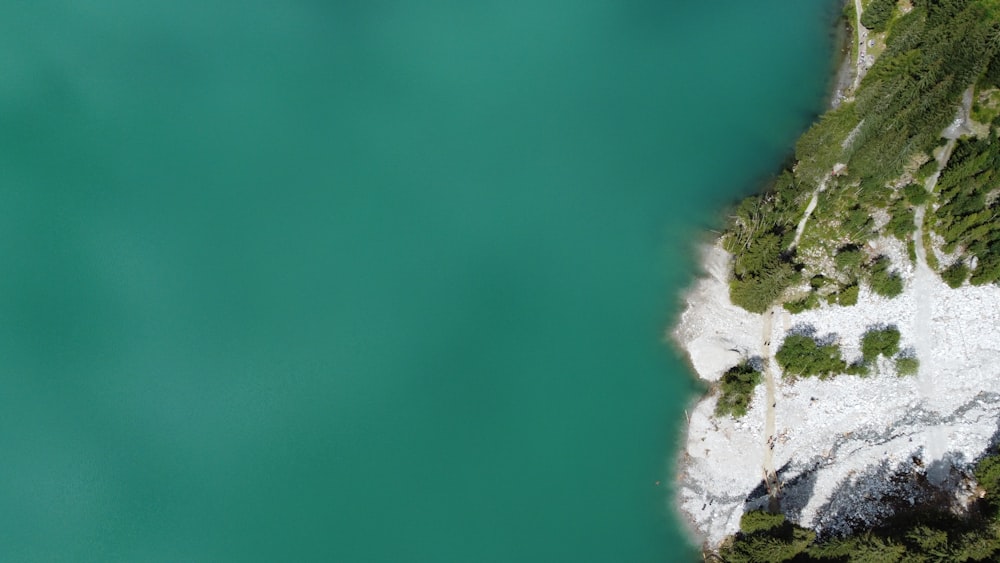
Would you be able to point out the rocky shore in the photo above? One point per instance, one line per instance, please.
(849, 450)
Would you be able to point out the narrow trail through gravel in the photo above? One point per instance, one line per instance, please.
(770, 475)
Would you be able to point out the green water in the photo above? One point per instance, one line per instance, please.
(366, 281)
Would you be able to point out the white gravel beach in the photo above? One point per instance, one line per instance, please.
(847, 450)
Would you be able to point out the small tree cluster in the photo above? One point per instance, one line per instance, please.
(956, 274)
(885, 282)
(916, 194)
(901, 223)
(849, 259)
(877, 15)
(811, 301)
(907, 365)
(736, 389)
(802, 355)
(848, 296)
(880, 342)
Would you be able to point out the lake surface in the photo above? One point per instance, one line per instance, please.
(367, 281)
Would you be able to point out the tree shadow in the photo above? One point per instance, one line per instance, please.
(803, 329)
(796, 488)
(885, 491)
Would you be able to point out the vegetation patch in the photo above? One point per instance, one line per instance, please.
(736, 389)
(956, 274)
(861, 149)
(876, 16)
(883, 281)
(968, 211)
(907, 365)
(901, 224)
(916, 194)
(880, 342)
(809, 302)
(803, 355)
(849, 295)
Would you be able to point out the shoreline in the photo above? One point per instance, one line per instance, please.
(846, 434)
(708, 243)
(909, 400)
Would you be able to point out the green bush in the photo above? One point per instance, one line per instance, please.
(955, 274)
(809, 302)
(884, 282)
(858, 368)
(907, 366)
(879, 341)
(849, 259)
(848, 296)
(916, 194)
(857, 223)
(756, 293)
(877, 15)
(736, 389)
(987, 271)
(802, 355)
(927, 169)
(901, 223)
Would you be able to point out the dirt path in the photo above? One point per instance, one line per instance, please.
(952, 132)
(861, 36)
(770, 475)
(923, 280)
(809, 209)
(805, 218)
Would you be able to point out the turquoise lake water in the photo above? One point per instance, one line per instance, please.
(367, 281)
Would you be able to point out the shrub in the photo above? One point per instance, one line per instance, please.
(802, 355)
(848, 296)
(927, 169)
(987, 271)
(916, 194)
(756, 293)
(901, 224)
(883, 341)
(849, 258)
(809, 302)
(885, 283)
(877, 15)
(955, 274)
(736, 387)
(907, 366)
(858, 368)
(857, 223)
